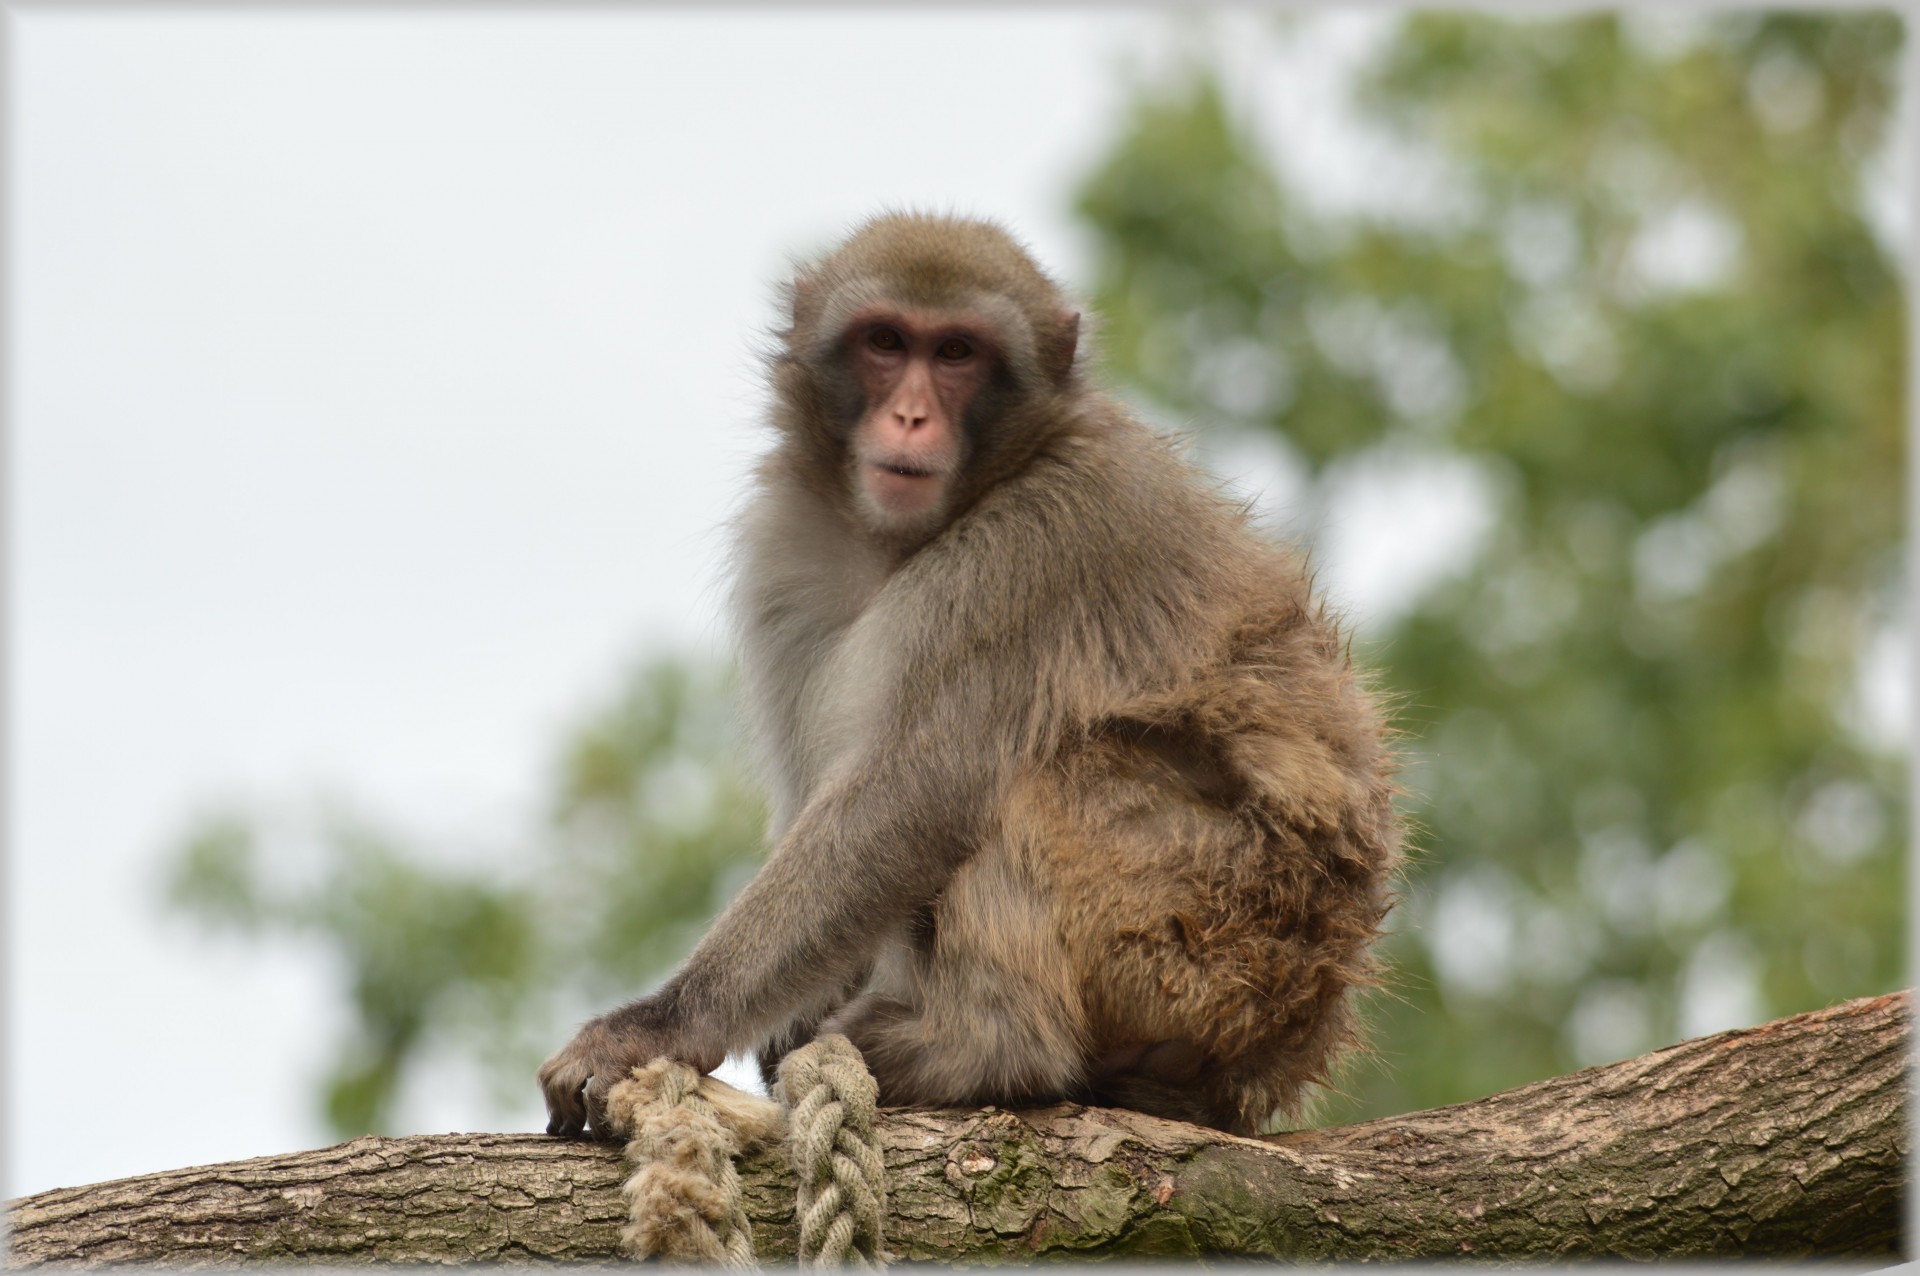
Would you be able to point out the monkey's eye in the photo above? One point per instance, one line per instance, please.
(953, 348)
(884, 339)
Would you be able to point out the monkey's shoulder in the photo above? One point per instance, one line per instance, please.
(1113, 517)
(798, 569)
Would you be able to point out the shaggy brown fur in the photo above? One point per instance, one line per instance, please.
(1075, 795)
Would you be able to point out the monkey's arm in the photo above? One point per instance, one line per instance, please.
(874, 843)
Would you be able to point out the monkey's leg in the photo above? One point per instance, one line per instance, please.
(1161, 877)
(1168, 1079)
(993, 1016)
(798, 1031)
(783, 1043)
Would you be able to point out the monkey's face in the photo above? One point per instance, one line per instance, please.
(919, 371)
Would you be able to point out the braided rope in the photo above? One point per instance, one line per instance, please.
(683, 1132)
(831, 1100)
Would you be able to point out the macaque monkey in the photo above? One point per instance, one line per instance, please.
(1075, 794)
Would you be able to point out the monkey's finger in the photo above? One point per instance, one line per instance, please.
(594, 1097)
(566, 1113)
(565, 1125)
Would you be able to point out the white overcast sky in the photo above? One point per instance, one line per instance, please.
(379, 382)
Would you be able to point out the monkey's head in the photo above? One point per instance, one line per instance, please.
(928, 359)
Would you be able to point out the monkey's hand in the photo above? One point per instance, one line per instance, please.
(576, 1079)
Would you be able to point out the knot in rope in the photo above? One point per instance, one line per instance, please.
(831, 1100)
(683, 1132)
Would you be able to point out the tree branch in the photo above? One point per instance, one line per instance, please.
(1786, 1139)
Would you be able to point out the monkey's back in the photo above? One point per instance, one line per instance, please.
(1219, 849)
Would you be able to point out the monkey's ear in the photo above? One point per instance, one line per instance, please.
(804, 290)
(1059, 345)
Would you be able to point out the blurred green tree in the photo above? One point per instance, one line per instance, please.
(1634, 284)
(492, 959)
(1633, 290)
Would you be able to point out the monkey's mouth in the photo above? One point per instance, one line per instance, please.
(903, 487)
(904, 471)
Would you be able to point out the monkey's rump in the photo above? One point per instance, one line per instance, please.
(1218, 861)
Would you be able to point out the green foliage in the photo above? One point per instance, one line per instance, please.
(1644, 300)
(657, 828)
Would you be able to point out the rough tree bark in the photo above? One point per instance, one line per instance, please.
(1786, 1139)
